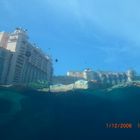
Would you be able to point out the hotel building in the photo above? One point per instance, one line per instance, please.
(22, 62)
(104, 77)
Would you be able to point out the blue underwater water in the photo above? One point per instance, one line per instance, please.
(77, 115)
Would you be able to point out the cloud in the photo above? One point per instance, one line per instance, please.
(120, 18)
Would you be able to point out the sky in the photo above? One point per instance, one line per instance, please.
(97, 34)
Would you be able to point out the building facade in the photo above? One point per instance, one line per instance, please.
(76, 74)
(3, 39)
(105, 77)
(5, 62)
(27, 62)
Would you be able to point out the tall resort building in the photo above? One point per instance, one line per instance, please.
(22, 62)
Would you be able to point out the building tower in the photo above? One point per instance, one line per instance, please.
(28, 63)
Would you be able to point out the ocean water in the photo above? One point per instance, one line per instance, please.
(78, 115)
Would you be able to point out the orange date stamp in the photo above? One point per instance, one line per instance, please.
(122, 125)
(119, 125)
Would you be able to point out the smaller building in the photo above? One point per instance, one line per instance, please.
(105, 77)
(131, 74)
(77, 74)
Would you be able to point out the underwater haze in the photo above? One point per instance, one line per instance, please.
(77, 115)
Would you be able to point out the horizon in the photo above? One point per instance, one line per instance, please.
(80, 34)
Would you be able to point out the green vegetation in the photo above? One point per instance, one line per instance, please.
(39, 84)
